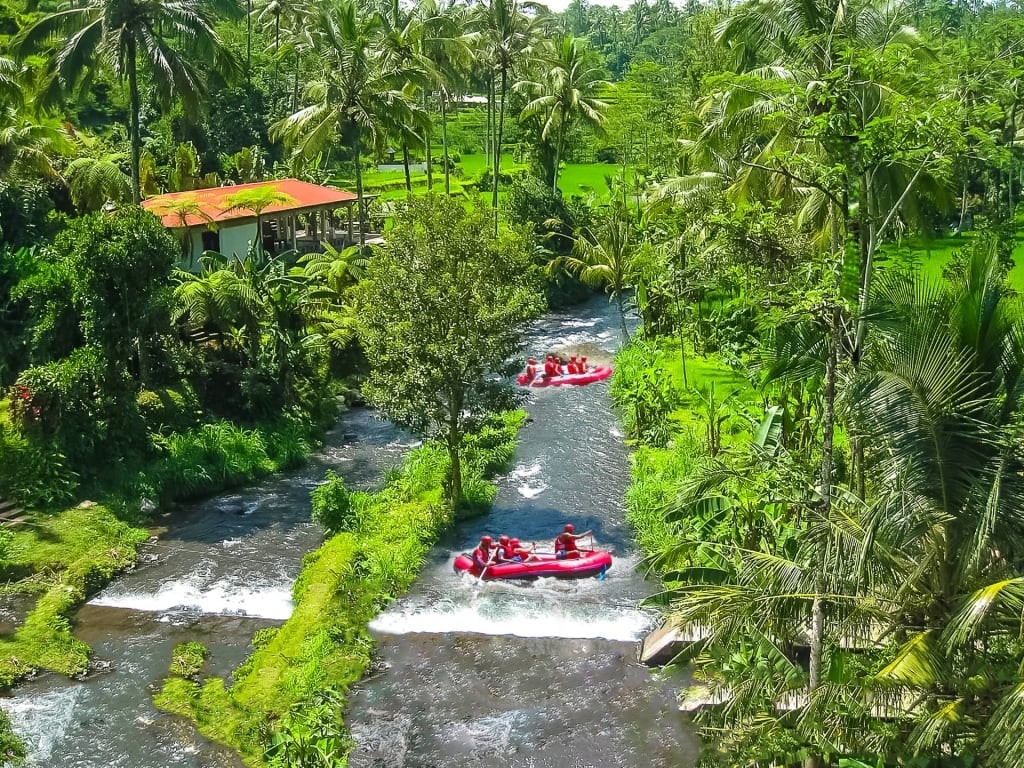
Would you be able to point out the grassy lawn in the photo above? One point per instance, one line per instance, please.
(929, 257)
(586, 179)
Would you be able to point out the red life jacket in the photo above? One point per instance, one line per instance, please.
(531, 371)
(565, 541)
(481, 556)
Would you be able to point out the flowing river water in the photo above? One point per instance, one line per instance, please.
(541, 674)
(525, 675)
(223, 569)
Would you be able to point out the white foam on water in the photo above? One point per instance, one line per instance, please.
(42, 722)
(531, 491)
(615, 432)
(486, 736)
(534, 486)
(221, 598)
(496, 616)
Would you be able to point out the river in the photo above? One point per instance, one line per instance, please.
(525, 675)
(535, 674)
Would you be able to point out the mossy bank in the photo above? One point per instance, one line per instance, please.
(288, 697)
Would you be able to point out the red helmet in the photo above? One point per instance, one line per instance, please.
(531, 361)
(570, 528)
(486, 540)
(503, 539)
(514, 542)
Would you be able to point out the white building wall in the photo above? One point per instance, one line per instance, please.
(235, 240)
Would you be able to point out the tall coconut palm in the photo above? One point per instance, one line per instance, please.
(359, 93)
(443, 43)
(566, 94)
(170, 38)
(505, 35)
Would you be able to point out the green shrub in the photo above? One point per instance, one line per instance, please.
(168, 410)
(188, 658)
(332, 504)
(35, 476)
(12, 751)
(73, 406)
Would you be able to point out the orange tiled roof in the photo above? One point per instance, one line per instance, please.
(212, 201)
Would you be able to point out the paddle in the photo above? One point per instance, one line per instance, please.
(483, 570)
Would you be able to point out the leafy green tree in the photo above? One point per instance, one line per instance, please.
(120, 268)
(443, 305)
(564, 96)
(169, 37)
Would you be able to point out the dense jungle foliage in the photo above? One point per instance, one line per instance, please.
(812, 207)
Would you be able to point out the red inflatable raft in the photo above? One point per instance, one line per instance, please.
(600, 373)
(588, 564)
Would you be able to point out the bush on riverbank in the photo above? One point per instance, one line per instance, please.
(325, 646)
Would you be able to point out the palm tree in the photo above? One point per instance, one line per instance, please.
(565, 95)
(605, 260)
(94, 181)
(127, 34)
(443, 44)
(256, 200)
(358, 95)
(27, 147)
(182, 209)
(10, 87)
(506, 34)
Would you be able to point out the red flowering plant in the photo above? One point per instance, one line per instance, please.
(25, 411)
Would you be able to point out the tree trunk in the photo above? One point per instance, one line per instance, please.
(360, 203)
(277, 51)
(444, 142)
(136, 134)
(427, 138)
(620, 300)
(817, 638)
(248, 43)
(963, 208)
(497, 148)
(558, 159)
(405, 164)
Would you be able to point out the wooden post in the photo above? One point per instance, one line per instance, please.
(350, 238)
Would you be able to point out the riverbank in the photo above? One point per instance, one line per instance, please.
(673, 426)
(289, 693)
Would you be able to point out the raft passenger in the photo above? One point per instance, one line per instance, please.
(483, 555)
(531, 369)
(565, 543)
(504, 552)
(573, 366)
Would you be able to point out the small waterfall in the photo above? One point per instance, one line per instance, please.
(263, 599)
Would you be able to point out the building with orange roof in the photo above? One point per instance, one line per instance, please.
(301, 217)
